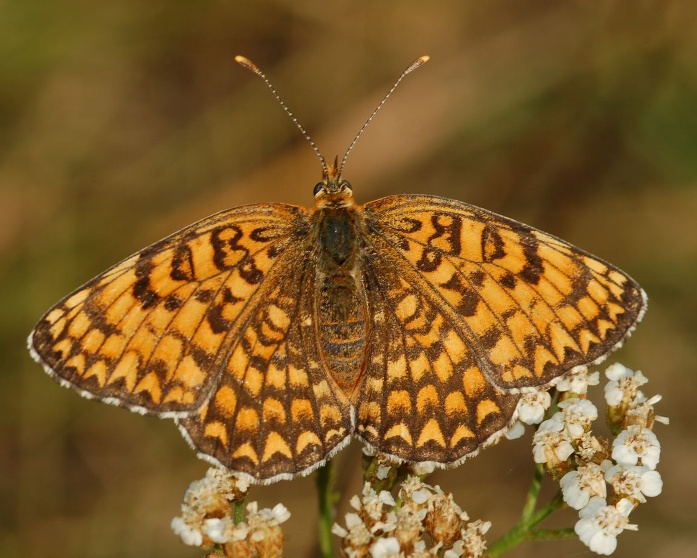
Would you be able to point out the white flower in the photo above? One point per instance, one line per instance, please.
(382, 471)
(188, 535)
(473, 538)
(532, 406)
(280, 513)
(425, 468)
(218, 529)
(578, 382)
(623, 385)
(636, 443)
(550, 446)
(230, 486)
(579, 486)
(356, 533)
(387, 547)
(372, 502)
(575, 416)
(456, 551)
(600, 524)
(634, 482)
(415, 491)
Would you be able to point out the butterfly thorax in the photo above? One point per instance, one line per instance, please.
(340, 307)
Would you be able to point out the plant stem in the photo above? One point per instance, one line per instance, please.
(525, 528)
(327, 498)
(239, 511)
(533, 494)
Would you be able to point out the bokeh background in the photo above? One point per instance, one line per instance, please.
(123, 121)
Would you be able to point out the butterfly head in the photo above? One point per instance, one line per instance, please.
(333, 191)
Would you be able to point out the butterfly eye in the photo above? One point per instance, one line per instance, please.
(347, 185)
(318, 188)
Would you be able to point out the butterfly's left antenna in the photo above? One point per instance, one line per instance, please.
(248, 64)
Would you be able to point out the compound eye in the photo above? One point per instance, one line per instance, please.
(346, 184)
(318, 188)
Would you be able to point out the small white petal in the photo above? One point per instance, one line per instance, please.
(515, 431)
(339, 531)
(420, 496)
(189, 536)
(215, 530)
(387, 547)
(280, 513)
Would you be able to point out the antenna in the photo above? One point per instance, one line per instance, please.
(415, 64)
(249, 65)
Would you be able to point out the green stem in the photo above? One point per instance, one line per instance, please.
(524, 529)
(533, 494)
(239, 511)
(552, 534)
(327, 499)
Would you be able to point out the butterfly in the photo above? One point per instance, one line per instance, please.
(273, 334)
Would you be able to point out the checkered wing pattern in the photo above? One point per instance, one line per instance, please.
(468, 309)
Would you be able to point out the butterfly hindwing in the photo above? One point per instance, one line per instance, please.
(424, 397)
(276, 411)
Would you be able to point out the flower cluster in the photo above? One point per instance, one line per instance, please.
(208, 518)
(382, 528)
(603, 479)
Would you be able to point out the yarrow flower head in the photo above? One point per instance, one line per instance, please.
(634, 483)
(586, 482)
(532, 406)
(575, 416)
(627, 404)
(593, 470)
(381, 528)
(600, 524)
(552, 447)
(578, 381)
(207, 518)
(637, 444)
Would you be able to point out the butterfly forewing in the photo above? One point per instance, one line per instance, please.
(530, 307)
(152, 333)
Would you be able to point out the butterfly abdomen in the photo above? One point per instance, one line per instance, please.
(340, 304)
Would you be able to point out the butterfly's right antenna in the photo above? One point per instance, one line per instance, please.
(415, 64)
(249, 65)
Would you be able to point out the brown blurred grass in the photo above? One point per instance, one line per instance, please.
(123, 121)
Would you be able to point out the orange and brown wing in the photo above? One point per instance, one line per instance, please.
(531, 305)
(153, 332)
(276, 412)
(470, 308)
(424, 397)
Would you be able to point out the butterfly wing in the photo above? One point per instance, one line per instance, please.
(276, 412)
(424, 397)
(153, 332)
(484, 306)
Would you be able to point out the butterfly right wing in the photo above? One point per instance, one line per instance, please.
(152, 333)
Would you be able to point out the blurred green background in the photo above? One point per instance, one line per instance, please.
(122, 121)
